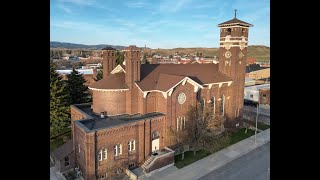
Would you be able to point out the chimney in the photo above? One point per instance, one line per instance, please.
(109, 56)
(132, 68)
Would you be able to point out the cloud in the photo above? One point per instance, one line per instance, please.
(137, 4)
(64, 8)
(86, 3)
(202, 6)
(172, 6)
(256, 14)
(79, 2)
(199, 16)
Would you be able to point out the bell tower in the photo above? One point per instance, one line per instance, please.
(232, 59)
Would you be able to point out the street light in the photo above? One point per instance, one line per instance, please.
(255, 133)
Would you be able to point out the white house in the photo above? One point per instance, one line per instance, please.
(251, 93)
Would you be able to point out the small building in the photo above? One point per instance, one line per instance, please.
(88, 74)
(63, 157)
(257, 94)
(251, 60)
(256, 71)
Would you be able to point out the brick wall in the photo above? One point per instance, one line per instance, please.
(266, 99)
(79, 137)
(111, 102)
(91, 143)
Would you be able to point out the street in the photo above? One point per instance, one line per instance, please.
(251, 111)
(252, 166)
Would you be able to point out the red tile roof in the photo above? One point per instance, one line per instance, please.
(113, 81)
(154, 74)
(163, 76)
(167, 81)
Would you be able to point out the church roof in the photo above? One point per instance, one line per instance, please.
(164, 76)
(113, 81)
(233, 22)
(166, 81)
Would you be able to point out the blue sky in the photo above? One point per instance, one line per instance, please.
(155, 23)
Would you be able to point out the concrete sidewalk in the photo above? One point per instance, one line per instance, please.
(214, 161)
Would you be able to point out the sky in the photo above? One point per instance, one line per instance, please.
(155, 23)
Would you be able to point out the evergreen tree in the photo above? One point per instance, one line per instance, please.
(78, 91)
(144, 60)
(59, 103)
(99, 74)
(120, 57)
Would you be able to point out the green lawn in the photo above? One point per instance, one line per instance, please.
(240, 135)
(189, 158)
(263, 126)
(225, 140)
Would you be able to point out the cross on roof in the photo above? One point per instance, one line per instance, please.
(235, 13)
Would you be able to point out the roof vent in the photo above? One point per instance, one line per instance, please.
(102, 115)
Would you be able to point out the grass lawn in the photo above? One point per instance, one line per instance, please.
(189, 158)
(263, 126)
(240, 135)
(58, 141)
(226, 140)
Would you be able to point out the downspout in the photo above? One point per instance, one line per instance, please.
(144, 139)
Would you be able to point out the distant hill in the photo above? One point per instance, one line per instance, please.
(55, 44)
(261, 53)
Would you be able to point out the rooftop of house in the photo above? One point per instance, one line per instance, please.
(108, 48)
(95, 122)
(81, 71)
(63, 150)
(257, 87)
(254, 67)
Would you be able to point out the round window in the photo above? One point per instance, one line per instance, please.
(181, 98)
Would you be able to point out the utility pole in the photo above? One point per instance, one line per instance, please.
(255, 133)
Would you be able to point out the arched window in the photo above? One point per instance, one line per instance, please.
(202, 103)
(120, 149)
(117, 149)
(213, 104)
(100, 155)
(243, 31)
(66, 161)
(132, 145)
(222, 104)
(105, 153)
(229, 31)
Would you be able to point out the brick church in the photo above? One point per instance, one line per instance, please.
(135, 105)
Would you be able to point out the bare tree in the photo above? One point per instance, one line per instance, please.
(202, 125)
